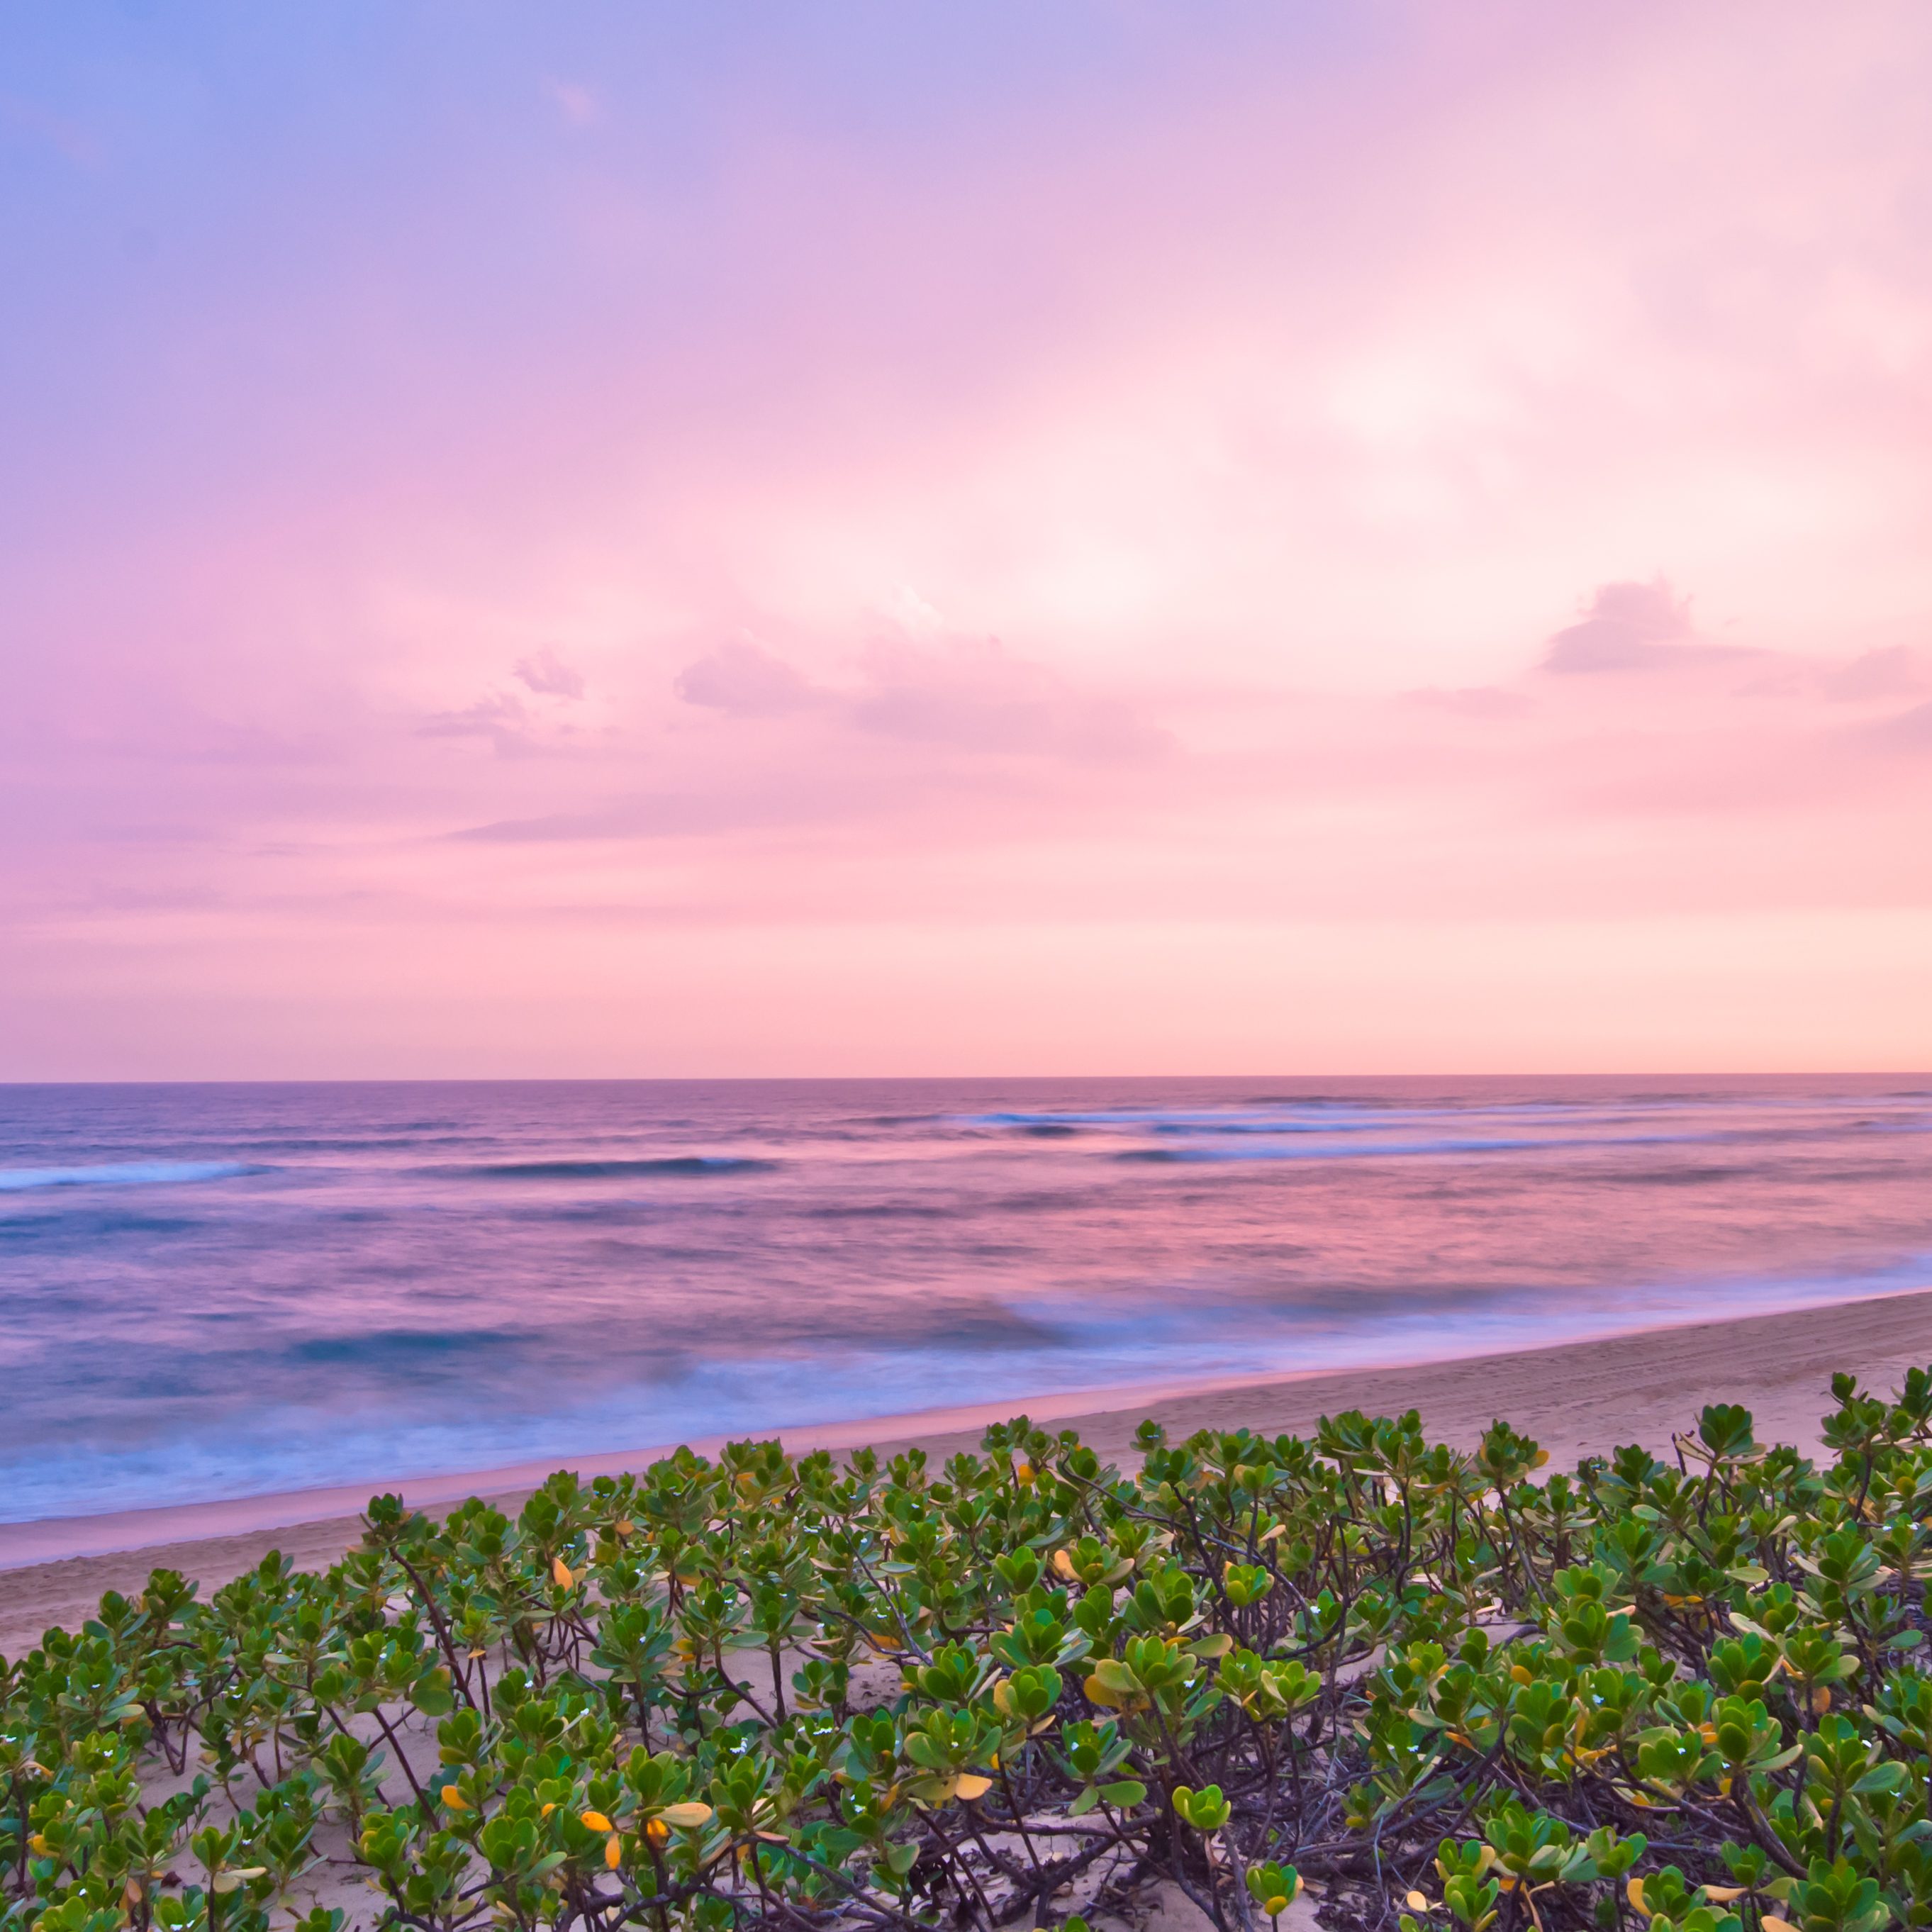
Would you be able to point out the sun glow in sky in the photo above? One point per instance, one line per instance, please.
(863, 538)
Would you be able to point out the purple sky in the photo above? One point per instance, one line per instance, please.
(865, 538)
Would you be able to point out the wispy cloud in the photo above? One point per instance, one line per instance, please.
(975, 697)
(1895, 670)
(70, 138)
(576, 102)
(966, 696)
(501, 718)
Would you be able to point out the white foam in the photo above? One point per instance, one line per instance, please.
(122, 1174)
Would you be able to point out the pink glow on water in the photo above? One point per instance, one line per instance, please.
(1105, 538)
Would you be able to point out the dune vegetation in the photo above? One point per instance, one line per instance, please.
(1360, 1675)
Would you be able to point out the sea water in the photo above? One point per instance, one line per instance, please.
(213, 1291)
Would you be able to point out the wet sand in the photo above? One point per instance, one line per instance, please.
(1576, 1400)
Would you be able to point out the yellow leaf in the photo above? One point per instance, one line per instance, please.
(1521, 1673)
(1063, 1563)
(454, 1799)
(657, 1830)
(1821, 1698)
(560, 1571)
(1771, 1923)
(686, 1814)
(613, 1852)
(597, 1822)
(1023, 1471)
(1633, 1892)
(972, 1785)
(1416, 1902)
(1723, 1894)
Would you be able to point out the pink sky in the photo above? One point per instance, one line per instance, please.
(1089, 538)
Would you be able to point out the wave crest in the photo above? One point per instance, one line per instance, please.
(124, 1174)
(606, 1170)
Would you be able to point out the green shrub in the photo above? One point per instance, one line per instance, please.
(1681, 1695)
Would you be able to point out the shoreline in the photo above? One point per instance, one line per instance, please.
(34, 1541)
(1574, 1397)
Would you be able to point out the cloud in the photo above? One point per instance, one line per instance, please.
(967, 696)
(742, 679)
(974, 697)
(1480, 700)
(578, 104)
(1627, 627)
(500, 714)
(648, 815)
(68, 138)
(1909, 731)
(546, 673)
(1894, 672)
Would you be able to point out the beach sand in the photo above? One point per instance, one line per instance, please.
(1575, 1399)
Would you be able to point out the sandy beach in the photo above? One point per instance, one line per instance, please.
(1575, 1399)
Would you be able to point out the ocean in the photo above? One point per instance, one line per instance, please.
(218, 1291)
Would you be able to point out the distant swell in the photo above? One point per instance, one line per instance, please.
(123, 1173)
(1386, 1150)
(609, 1170)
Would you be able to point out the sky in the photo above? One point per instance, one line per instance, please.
(1104, 537)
